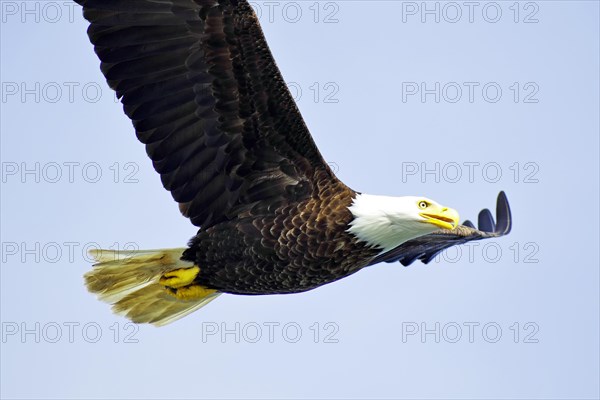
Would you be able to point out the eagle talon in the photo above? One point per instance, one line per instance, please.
(190, 292)
(179, 278)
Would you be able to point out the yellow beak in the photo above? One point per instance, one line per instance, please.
(444, 217)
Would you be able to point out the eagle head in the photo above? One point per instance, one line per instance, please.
(386, 222)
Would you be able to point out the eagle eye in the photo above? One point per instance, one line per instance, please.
(423, 204)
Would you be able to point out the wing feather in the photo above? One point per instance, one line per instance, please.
(199, 82)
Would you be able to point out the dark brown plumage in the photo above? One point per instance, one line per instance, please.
(199, 82)
(296, 247)
(207, 99)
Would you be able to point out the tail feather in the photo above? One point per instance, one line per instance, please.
(130, 281)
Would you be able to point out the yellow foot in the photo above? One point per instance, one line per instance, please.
(191, 292)
(179, 277)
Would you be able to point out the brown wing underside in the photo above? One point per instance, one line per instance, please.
(199, 82)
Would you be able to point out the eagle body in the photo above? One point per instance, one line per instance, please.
(206, 98)
(292, 248)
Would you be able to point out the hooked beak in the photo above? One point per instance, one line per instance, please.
(444, 217)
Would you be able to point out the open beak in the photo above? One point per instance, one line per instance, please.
(444, 217)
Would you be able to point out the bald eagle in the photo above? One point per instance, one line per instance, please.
(205, 95)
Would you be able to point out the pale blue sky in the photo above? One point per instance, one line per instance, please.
(371, 63)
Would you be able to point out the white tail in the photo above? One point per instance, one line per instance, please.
(130, 281)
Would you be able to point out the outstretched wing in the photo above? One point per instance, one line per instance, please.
(425, 248)
(199, 82)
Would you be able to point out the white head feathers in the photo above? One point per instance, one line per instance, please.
(386, 222)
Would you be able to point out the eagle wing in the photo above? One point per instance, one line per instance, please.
(199, 82)
(426, 247)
